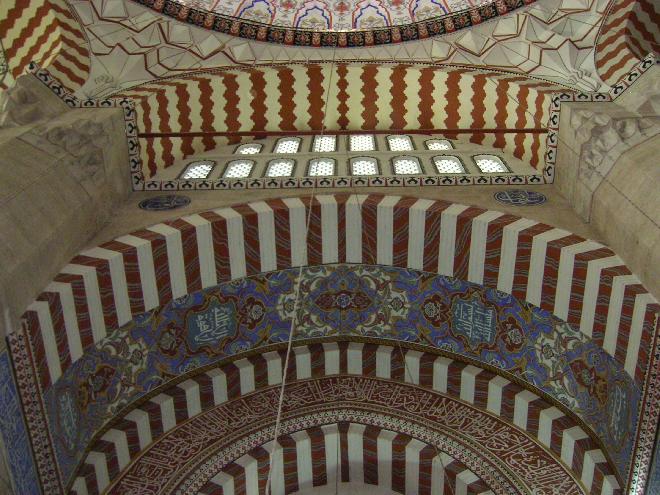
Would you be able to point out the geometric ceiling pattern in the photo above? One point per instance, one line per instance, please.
(561, 276)
(132, 44)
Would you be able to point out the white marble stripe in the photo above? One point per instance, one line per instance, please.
(205, 250)
(384, 457)
(546, 417)
(636, 330)
(276, 459)
(448, 239)
(569, 438)
(440, 373)
(219, 383)
(610, 484)
(274, 367)
(251, 469)
(354, 228)
(303, 362)
(521, 408)
(331, 358)
(565, 275)
(355, 443)
(384, 361)
(385, 229)
(412, 362)
(65, 292)
(354, 358)
(235, 241)
(48, 337)
(267, 246)
(463, 480)
(118, 438)
(304, 460)
(92, 296)
(413, 449)
(537, 263)
(591, 289)
(246, 375)
(118, 277)
(297, 230)
(145, 259)
(100, 464)
(167, 415)
(509, 251)
(416, 232)
(438, 472)
(591, 458)
(619, 285)
(329, 229)
(80, 486)
(141, 420)
(468, 383)
(478, 245)
(175, 261)
(225, 481)
(495, 387)
(332, 447)
(193, 399)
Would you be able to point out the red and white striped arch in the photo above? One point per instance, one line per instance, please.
(556, 430)
(45, 32)
(362, 97)
(629, 32)
(103, 288)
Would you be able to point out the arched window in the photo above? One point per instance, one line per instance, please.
(249, 149)
(362, 142)
(325, 144)
(280, 167)
(364, 165)
(399, 143)
(321, 167)
(287, 145)
(200, 169)
(238, 169)
(439, 145)
(406, 165)
(448, 164)
(490, 164)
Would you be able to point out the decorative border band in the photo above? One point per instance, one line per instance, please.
(257, 31)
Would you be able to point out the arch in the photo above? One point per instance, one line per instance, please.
(579, 281)
(452, 379)
(53, 38)
(169, 133)
(628, 34)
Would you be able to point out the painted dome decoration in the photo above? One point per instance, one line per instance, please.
(340, 23)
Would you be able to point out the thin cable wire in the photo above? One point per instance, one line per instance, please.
(296, 303)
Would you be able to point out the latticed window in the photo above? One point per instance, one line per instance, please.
(406, 165)
(280, 168)
(287, 145)
(364, 165)
(325, 144)
(447, 164)
(249, 149)
(238, 169)
(321, 167)
(399, 143)
(490, 164)
(438, 145)
(362, 142)
(198, 170)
